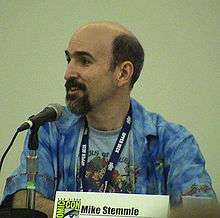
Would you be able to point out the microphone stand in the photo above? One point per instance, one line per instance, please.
(31, 170)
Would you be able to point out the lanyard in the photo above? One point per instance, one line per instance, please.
(119, 145)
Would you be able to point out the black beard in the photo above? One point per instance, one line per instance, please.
(82, 104)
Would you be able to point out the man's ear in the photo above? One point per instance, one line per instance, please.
(124, 74)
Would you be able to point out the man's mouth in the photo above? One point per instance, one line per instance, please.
(73, 90)
(73, 85)
(74, 93)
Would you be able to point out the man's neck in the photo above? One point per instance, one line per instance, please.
(110, 116)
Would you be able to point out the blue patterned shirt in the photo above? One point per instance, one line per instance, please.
(168, 158)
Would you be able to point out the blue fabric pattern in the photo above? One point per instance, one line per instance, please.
(167, 154)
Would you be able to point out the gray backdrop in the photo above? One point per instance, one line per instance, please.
(180, 79)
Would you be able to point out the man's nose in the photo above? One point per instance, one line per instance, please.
(70, 71)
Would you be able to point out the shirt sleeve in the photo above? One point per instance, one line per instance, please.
(47, 169)
(187, 175)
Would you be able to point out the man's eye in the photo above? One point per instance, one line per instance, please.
(84, 61)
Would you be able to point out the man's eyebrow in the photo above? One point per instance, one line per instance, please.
(79, 53)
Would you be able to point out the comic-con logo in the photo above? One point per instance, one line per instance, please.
(68, 208)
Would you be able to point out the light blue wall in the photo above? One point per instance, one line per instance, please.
(180, 79)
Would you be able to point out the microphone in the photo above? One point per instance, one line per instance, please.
(50, 113)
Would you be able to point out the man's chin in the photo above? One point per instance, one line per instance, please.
(77, 107)
(73, 107)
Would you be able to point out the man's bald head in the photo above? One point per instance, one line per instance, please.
(120, 43)
(108, 26)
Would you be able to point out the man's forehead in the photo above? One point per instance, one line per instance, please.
(81, 44)
(90, 43)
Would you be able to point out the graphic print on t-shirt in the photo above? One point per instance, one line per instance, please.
(122, 177)
(101, 144)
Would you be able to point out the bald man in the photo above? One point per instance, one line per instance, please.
(106, 141)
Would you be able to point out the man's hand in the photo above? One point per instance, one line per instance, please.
(42, 204)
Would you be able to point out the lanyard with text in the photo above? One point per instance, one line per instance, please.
(119, 145)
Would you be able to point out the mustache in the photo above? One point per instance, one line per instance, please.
(74, 83)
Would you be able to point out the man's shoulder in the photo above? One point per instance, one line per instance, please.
(152, 123)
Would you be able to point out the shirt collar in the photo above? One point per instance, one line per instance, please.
(144, 121)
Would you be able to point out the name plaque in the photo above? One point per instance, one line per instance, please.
(103, 205)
